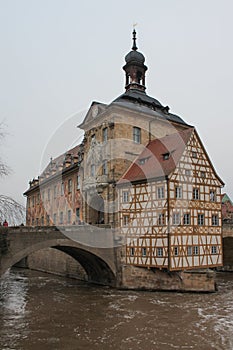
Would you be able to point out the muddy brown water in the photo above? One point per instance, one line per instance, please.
(44, 312)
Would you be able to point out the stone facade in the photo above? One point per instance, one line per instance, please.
(53, 261)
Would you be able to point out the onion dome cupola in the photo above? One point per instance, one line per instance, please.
(134, 68)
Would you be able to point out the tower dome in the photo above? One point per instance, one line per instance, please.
(135, 68)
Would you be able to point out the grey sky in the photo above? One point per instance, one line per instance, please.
(59, 56)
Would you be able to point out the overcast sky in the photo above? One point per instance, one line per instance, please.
(57, 56)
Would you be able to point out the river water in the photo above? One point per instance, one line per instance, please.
(45, 312)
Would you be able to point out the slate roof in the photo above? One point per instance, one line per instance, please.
(134, 97)
(159, 159)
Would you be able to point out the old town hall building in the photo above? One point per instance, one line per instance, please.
(140, 169)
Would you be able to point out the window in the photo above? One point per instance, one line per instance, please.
(160, 192)
(37, 222)
(69, 216)
(42, 221)
(214, 249)
(62, 189)
(54, 219)
(78, 182)
(187, 172)
(144, 252)
(92, 170)
(176, 251)
(200, 219)
(32, 222)
(132, 251)
(93, 138)
(195, 250)
(203, 175)
(69, 185)
(195, 193)
(125, 196)
(61, 217)
(38, 198)
(160, 252)
(55, 191)
(214, 220)
(194, 154)
(186, 219)
(161, 219)
(176, 219)
(33, 201)
(48, 194)
(178, 192)
(189, 250)
(166, 156)
(136, 134)
(212, 196)
(47, 220)
(78, 213)
(105, 134)
(105, 167)
(125, 220)
(29, 202)
(142, 161)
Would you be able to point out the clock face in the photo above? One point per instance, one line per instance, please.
(94, 111)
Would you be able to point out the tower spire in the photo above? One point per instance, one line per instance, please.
(135, 68)
(134, 48)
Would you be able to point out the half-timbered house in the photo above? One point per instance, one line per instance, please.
(170, 205)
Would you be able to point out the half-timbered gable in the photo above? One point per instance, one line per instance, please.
(170, 205)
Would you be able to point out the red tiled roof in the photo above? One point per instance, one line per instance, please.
(152, 162)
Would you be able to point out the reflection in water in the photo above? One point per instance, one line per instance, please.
(40, 311)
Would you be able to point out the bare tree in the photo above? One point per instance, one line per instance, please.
(10, 210)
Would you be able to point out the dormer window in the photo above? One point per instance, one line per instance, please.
(143, 160)
(166, 156)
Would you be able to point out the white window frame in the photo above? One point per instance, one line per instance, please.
(214, 249)
(161, 219)
(176, 219)
(187, 219)
(196, 193)
(144, 251)
(132, 251)
(93, 170)
(215, 220)
(136, 134)
(125, 220)
(178, 192)
(189, 250)
(176, 251)
(69, 185)
(125, 196)
(212, 196)
(105, 134)
(160, 192)
(201, 219)
(160, 252)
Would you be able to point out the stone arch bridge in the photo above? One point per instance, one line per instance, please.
(96, 249)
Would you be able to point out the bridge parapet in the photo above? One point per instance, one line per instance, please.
(93, 247)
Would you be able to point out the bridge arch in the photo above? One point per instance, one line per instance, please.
(99, 265)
